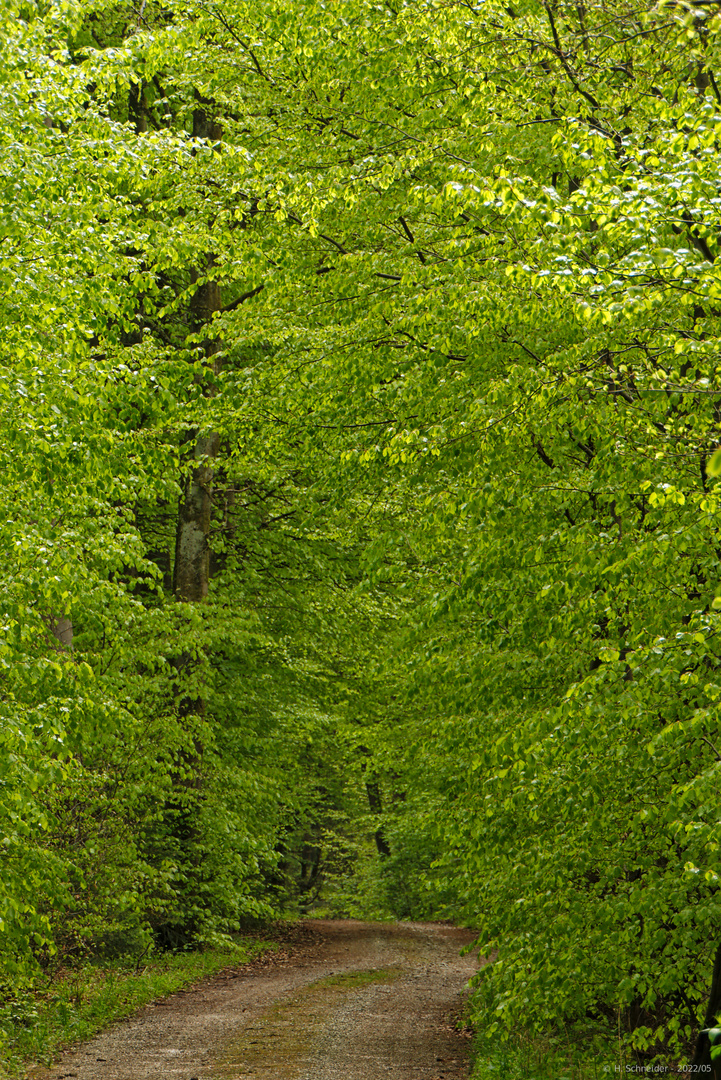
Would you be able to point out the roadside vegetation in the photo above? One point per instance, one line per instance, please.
(359, 433)
(68, 1006)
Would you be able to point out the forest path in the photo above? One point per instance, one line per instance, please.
(350, 1001)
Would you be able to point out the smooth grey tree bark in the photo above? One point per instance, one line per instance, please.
(62, 631)
(191, 573)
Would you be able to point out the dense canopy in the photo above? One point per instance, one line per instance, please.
(360, 408)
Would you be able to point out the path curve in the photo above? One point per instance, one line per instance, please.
(350, 1001)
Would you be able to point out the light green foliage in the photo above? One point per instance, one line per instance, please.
(156, 774)
(464, 532)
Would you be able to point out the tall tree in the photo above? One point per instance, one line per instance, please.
(192, 548)
(467, 410)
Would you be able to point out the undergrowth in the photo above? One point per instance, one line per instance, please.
(73, 1004)
(570, 1055)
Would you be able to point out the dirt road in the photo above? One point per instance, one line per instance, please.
(349, 1001)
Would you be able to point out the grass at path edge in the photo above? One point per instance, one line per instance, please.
(577, 1052)
(74, 1005)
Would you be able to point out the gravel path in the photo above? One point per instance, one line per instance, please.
(351, 1001)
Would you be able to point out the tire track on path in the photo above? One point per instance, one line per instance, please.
(353, 1001)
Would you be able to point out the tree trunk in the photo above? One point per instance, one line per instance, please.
(62, 630)
(191, 572)
(374, 801)
(191, 575)
(192, 551)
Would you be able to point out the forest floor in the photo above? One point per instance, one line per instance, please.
(342, 1000)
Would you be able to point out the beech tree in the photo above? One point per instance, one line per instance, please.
(385, 336)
